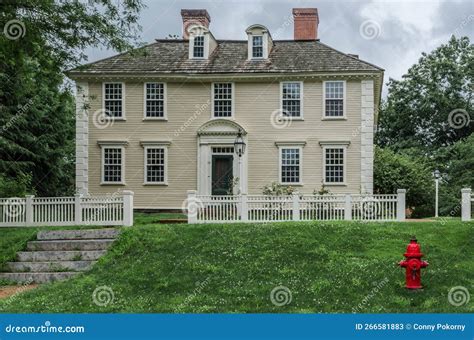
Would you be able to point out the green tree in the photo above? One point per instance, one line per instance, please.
(42, 38)
(417, 111)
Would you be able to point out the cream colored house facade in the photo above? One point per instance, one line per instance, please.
(165, 122)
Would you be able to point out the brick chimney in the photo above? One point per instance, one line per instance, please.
(306, 21)
(194, 17)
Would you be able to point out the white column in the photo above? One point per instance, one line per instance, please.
(29, 210)
(296, 206)
(367, 137)
(82, 138)
(127, 208)
(348, 208)
(244, 209)
(466, 204)
(192, 206)
(77, 209)
(401, 206)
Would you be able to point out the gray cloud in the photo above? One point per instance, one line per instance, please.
(407, 28)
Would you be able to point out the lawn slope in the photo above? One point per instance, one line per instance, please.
(327, 267)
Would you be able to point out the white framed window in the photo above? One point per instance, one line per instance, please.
(334, 93)
(222, 100)
(290, 165)
(156, 158)
(113, 99)
(113, 164)
(257, 46)
(155, 101)
(291, 94)
(198, 46)
(334, 164)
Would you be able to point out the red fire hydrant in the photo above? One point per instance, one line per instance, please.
(413, 265)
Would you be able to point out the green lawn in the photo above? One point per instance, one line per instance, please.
(328, 267)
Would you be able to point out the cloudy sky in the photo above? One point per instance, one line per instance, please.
(390, 34)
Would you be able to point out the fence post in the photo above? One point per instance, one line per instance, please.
(244, 208)
(348, 208)
(29, 210)
(77, 209)
(192, 207)
(401, 197)
(296, 206)
(466, 204)
(127, 208)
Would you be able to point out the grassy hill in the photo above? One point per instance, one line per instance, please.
(326, 267)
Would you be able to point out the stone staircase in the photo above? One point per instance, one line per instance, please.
(59, 255)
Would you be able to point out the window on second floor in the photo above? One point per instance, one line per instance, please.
(291, 94)
(155, 100)
(113, 99)
(222, 100)
(257, 46)
(198, 47)
(334, 99)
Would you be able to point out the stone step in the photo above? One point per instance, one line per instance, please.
(70, 245)
(52, 266)
(59, 255)
(105, 233)
(37, 277)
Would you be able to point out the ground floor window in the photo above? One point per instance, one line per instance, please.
(334, 164)
(155, 170)
(290, 165)
(112, 164)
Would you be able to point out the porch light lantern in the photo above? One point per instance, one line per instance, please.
(239, 144)
(437, 176)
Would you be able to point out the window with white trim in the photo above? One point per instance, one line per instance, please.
(291, 99)
(198, 46)
(290, 171)
(113, 99)
(257, 46)
(334, 164)
(155, 164)
(112, 164)
(154, 100)
(222, 100)
(334, 98)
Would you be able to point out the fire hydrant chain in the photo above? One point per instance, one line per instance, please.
(413, 265)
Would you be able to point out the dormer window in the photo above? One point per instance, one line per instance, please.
(260, 42)
(257, 46)
(198, 48)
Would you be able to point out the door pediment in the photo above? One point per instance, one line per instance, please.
(220, 127)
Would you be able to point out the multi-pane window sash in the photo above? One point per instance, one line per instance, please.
(198, 47)
(155, 165)
(155, 100)
(290, 165)
(334, 99)
(113, 165)
(334, 167)
(291, 99)
(113, 99)
(257, 46)
(222, 99)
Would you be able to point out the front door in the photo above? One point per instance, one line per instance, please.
(222, 175)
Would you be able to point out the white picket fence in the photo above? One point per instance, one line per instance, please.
(467, 201)
(296, 207)
(65, 211)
